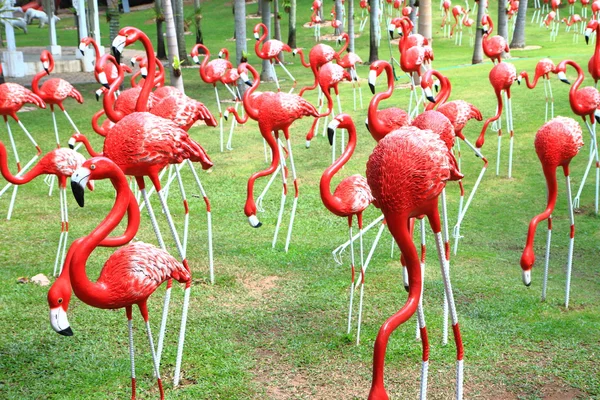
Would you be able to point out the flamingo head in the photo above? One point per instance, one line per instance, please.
(374, 71)
(85, 42)
(343, 36)
(485, 24)
(393, 25)
(591, 27)
(100, 92)
(126, 36)
(59, 297)
(520, 77)
(45, 58)
(224, 53)
(195, 53)
(243, 71)
(527, 260)
(95, 168)
(426, 84)
(257, 30)
(343, 121)
(560, 70)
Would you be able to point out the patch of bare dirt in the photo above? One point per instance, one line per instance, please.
(532, 47)
(259, 287)
(555, 391)
(330, 37)
(324, 24)
(256, 16)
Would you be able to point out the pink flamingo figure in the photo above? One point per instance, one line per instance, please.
(350, 198)
(381, 122)
(556, 143)
(315, 20)
(231, 77)
(584, 8)
(594, 63)
(365, 10)
(132, 273)
(330, 75)
(468, 23)
(584, 102)
(349, 61)
(551, 21)
(501, 77)
(458, 112)
(457, 14)
(542, 70)
(595, 9)
(275, 113)
(446, 5)
(571, 6)
(211, 73)
(406, 173)
(270, 50)
(335, 23)
(61, 162)
(555, 4)
(493, 46)
(12, 98)
(54, 91)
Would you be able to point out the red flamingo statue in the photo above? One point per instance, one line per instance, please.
(110, 70)
(556, 143)
(468, 23)
(350, 198)
(446, 4)
(457, 14)
(501, 77)
(594, 63)
(12, 98)
(132, 273)
(54, 91)
(349, 61)
(493, 46)
(574, 19)
(61, 162)
(584, 102)
(211, 73)
(406, 173)
(231, 77)
(275, 113)
(335, 23)
(542, 70)
(315, 20)
(270, 50)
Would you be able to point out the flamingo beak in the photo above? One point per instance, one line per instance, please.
(79, 180)
(60, 322)
(98, 94)
(367, 124)
(597, 115)
(118, 45)
(391, 28)
(519, 78)
(256, 36)
(429, 94)
(132, 61)
(331, 130)
(82, 48)
(72, 142)
(294, 52)
(144, 72)
(46, 66)
(196, 59)
(220, 54)
(527, 277)
(372, 80)
(244, 77)
(103, 80)
(563, 77)
(226, 114)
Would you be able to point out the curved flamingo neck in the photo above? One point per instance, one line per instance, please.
(237, 117)
(332, 203)
(82, 139)
(596, 55)
(159, 80)
(445, 89)
(529, 84)
(36, 79)
(247, 99)
(98, 128)
(575, 86)
(96, 48)
(36, 171)
(550, 174)
(345, 46)
(108, 102)
(203, 75)
(488, 34)
(91, 293)
(302, 59)
(375, 125)
(257, 46)
(142, 102)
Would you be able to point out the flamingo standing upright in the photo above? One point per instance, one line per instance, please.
(584, 102)
(584, 8)
(270, 50)
(542, 70)
(365, 9)
(551, 22)
(61, 162)
(132, 273)
(493, 46)
(406, 173)
(574, 19)
(446, 5)
(275, 113)
(211, 73)
(594, 63)
(457, 13)
(350, 198)
(315, 20)
(501, 77)
(54, 91)
(556, 143)
(349, 61)
(12, 97)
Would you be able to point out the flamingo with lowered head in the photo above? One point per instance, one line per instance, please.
(350, 198)
(542, 70)
(556, 143)
(406, 173)
(270, 50)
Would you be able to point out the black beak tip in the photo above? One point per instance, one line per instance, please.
(78, 193)
(71, 146)
(106, 85)
(597, 118)
(97, 97)
(391, 34)
(47, 71)
(431, 99)
(587, 40)
(406, 288)
(82, 52)
(372, 87)
(528, 284)
(66, 332)
(249, 83)
(566, 81)
(367, 125)
(330, 135)
(226, 117)
(519, 82)
(258, 225)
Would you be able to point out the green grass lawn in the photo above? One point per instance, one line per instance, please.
(273, 325)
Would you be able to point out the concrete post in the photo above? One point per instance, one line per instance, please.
(12, 59)
(87, 60)
(95, 25)
(53, 48)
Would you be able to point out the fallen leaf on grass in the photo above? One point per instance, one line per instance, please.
(41, 280)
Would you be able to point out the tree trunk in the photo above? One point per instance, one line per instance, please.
(176, 81)
(292, 25)
(425, 19)
(373, 30)
(502, 20)
(351, 24)
(477, 49)
(113, 14)
(161, 52)
(413, 15)
(277, 25)
(240, 36)
(339, 11)
(198, 21)
(179, 28)
(267, 69)
(260, 6)
(518, 40)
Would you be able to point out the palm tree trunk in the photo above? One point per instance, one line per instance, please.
(338, 15)
(113, 19)
(502, 20)
(260, 6)
(425, 19)
(351, 24)
(176, 81)
(477, 49)
(373, 30)
(161, 52)
(197, 21)
(240, 36)
(179, 28)
(277, 25)
(292, 25)
(267, 71)
(518, 40)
